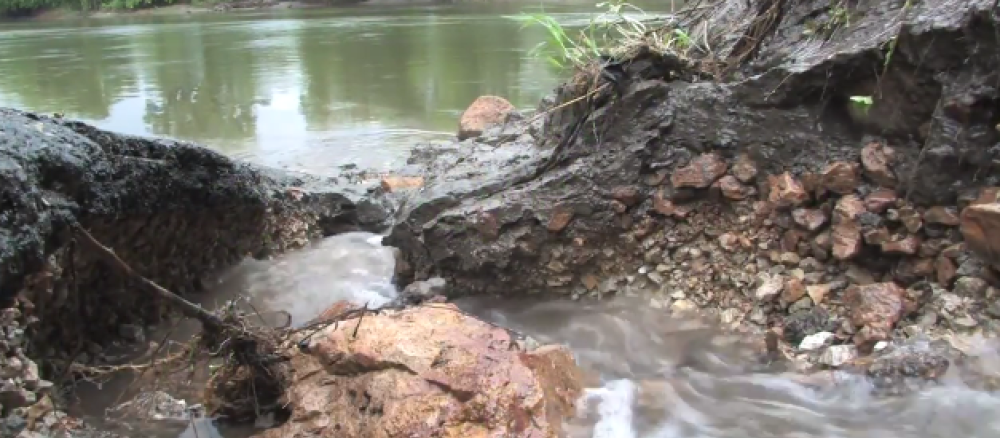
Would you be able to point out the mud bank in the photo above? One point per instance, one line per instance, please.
(739, 180)
(174, 211)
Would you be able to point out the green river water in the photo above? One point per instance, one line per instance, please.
(306, 89)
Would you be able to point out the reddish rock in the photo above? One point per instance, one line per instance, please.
(945, 270)
(908, 245)
(880, 200)
(744, 169)
(790, 240)
(590, 281)
(846, 240)
(987, 195)
(932, 247)
(942, 216)
(980, 227)
(877, 236)
(810, 219)
(876, 159)
(430, 371)
(812, 183)
(628, 195)
(821, 245)
(729, 241)
(794, 290)
(662, 204)
(762, 210)
(700, 173)
(561, 217)
(484, 112)
(841, 177)
(818, 292)
(786, 191)
(396, 183)
(731, 188)
(848, 209)
(875, 307)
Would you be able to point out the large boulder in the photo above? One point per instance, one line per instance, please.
(426, 371)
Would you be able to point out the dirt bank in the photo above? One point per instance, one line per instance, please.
(176, 212)
(740, 180)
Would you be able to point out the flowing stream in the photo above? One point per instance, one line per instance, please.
(662, 377)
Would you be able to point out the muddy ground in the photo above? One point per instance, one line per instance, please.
(740, 181)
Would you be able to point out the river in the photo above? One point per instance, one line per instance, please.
(307, 89)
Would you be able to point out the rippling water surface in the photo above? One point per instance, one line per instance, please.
(660, 377)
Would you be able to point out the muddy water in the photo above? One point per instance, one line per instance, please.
(661, 377)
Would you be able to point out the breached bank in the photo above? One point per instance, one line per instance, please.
(754, 195)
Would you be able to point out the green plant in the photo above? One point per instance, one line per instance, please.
(862, 103)
(617, 24)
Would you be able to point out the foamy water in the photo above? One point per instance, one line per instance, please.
(661, 377)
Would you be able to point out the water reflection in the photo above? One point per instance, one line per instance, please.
(334, 83)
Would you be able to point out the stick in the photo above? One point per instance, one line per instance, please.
(188, 308)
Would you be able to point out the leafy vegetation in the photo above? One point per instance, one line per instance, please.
(617, 25)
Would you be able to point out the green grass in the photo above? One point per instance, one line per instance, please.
(615, 25)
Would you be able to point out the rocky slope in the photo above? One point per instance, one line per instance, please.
(768, 200)
(174, 211)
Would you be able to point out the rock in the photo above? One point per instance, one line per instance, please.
(908, 245)
(744, 169)
(770, 286)
(849, 208)
(877, 236)
(876, 159)
(731, 188)
(483, 113)
(561, 217)
(405, 367)
(816, 341)
(785, 191)
(418, 291)
(841, 177)
(793, 291)
(970, 287)
(700, 173)
(392, 184)
(838, 355)
(846, 240)
(880, 200)
(809, 219)
(628, 195)
(945, 270)
(875, 308)
(907, 366)
(729, 241)
(818, 292)
(910, 218)
(800, 324)
(947, 216)
(978, 223)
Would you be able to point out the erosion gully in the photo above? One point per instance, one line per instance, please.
(662, 377)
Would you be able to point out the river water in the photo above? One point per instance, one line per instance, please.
(306, 89)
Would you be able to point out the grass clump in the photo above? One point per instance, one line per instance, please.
(619, 27)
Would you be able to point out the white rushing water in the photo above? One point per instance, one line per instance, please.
(662, 377)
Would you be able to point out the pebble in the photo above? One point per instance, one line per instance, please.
(838, 355)
(816, 341)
